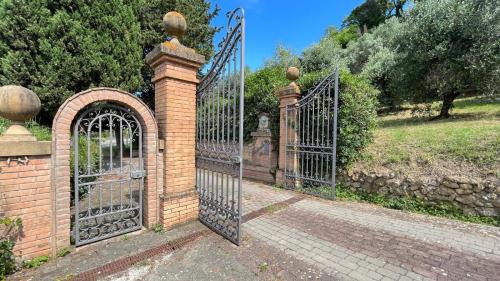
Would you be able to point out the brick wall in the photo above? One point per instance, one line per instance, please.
(25, 194)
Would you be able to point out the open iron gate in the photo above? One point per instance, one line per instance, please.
(311, 136)
(219, 133)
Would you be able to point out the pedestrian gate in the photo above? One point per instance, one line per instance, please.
(311, 134)
(108, 175)
(219, 133)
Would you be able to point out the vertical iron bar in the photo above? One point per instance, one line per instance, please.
(111, 197)
(100, 144)
(121, 145)
(89, 143)
(76, 153)
(110, 143)
(234, 103)
(100, 197)
(285, 173)
(242, 108)
(218, 113)
(141, 169)
(334, 148)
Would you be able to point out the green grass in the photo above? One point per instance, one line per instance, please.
(442, 209)
(472, 135)
(42, 133)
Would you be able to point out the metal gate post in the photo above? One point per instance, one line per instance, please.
(175, 78)
(288, 97)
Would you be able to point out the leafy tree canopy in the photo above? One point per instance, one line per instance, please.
(448, 48)
(374, 12)
(58, 48)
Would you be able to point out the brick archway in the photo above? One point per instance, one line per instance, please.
(61, 134)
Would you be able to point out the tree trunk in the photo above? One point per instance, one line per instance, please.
(447, 104)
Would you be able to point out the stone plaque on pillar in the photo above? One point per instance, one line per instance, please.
(262, 162)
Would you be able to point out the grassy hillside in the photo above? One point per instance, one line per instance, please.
(469, 142)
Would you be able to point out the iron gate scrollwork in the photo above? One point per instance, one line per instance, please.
(311, 134)
(219, 133)
(108, 173)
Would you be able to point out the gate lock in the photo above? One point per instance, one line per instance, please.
(138, 174)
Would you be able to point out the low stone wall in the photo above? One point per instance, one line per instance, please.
(472, 196)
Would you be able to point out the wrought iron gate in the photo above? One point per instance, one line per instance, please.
(219, 133)
(311, 133)
(108, 173)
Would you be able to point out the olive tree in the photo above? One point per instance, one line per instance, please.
(373, 55)
(448, 48)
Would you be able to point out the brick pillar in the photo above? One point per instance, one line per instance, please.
(25, 175)
(288, 95)
(175, 78)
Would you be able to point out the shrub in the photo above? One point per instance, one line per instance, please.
(260, 88)
(357, 103)
(82, 162)
(10, 229)
(41, 132)
(356, 116)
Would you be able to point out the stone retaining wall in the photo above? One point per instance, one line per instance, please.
(472, 196)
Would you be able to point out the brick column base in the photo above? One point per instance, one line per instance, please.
(179, 208)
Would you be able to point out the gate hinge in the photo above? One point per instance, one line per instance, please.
(138, 174)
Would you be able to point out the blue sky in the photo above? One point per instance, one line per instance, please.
(295, 24)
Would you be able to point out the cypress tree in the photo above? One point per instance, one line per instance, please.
(59, 48)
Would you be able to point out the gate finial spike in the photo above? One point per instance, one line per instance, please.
(175, 25)
(292, 74)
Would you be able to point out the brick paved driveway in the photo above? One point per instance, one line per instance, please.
(322, 240)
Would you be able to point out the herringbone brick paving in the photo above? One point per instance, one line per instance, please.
(356, 243)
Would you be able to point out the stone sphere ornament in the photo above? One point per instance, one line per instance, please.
(19, 105)
(175, 24)
(292, 73)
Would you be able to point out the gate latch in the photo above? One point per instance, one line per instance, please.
(138, 174)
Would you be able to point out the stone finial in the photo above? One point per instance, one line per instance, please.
(19, 105)
(292, 74)
(175, 25)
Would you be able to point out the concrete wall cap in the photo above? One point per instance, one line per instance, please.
(170, 49)
(25, 148)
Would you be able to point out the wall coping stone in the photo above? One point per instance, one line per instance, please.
(25, 148)
(291, 90)
(184, 55)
